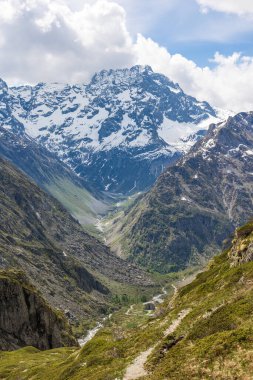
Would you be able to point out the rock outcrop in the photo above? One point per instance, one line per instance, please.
(26, 319)
(242, 249)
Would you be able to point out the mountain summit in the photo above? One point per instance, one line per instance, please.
(119, 131)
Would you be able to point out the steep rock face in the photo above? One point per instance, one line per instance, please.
(38, 235)
(7, 119)
(118, 132)
(197, 202)
(26, 319)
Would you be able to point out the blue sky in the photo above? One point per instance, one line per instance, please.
(198, 36)
(183, 28)
(194, 42)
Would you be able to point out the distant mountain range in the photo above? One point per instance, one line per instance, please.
(195, 203)
(118, 132)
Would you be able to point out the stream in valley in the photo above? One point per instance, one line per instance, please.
(158, 299)
(90, 334)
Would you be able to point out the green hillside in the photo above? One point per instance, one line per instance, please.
(205, 331)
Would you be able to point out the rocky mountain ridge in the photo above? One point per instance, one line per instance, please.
(195, 203)
(52, 175)
(118, 132)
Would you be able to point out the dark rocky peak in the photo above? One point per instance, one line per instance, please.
(135, 74)
(233, 137)
(3, 86)
(40, 85)
(121, 76)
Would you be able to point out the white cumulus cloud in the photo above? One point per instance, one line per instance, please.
(68, 41)
(44, 40)
(227, 84)
(240, 7)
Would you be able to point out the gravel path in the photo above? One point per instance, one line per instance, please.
(137, 368)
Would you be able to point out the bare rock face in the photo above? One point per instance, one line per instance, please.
(242, 249)
(26, 319)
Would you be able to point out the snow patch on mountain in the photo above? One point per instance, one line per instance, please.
(122, 116)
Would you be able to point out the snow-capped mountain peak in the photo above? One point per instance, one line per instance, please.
(119, 131)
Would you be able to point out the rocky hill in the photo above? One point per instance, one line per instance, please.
(67, 265)
(118, 132)
(26, 319)
(196, 203)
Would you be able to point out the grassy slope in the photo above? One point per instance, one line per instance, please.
(215, 337)
(78, 201)
(105, 357)
(217, 332)
(113, 224)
